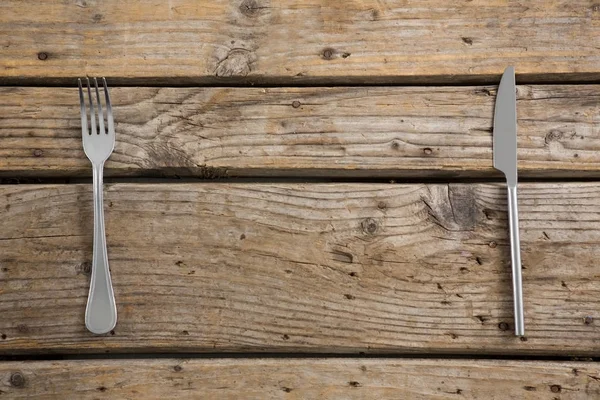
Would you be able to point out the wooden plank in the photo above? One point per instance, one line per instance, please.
(341, 268)
(349, 132)
(299, 41)
(300, 379)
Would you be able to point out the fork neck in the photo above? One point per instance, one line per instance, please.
(97, 172)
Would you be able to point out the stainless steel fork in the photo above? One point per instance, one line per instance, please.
(98, 144)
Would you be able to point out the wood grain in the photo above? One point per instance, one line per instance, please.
(334, 268)
(391, 132)
(300, 379)
(299, 41)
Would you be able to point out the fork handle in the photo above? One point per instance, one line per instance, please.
(515, 256)
(101, 310)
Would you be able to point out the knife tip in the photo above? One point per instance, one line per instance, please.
(509, 70)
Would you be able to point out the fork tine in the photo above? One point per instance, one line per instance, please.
(84, 125)
(92, 111)
(100, 113)
(109, 116)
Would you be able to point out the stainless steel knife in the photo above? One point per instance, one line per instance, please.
(505, 160)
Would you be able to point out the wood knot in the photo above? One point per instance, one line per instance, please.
(296, 104)
(17, 379)
(42, 55)
(84, 268)
(553, 136)
(493, 244)
(251, 8)
(381, 205)
(38, 153)
(555, 388)
(427, 151)
(370, 226)
(237, 64)
(503, 326)
(177, 368)
(588, 320)
(467, 40)
(329, 54)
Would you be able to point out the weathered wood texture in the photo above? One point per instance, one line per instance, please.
(316, 268)
(365, 132)
(300, 40)
(300, 379)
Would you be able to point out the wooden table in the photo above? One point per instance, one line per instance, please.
(301, 202)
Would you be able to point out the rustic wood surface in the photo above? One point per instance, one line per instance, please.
(349, 131)
(299, 40)
(300, 379)
(342, 268)
(206, 268)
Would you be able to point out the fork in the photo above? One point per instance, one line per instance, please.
(98, 144)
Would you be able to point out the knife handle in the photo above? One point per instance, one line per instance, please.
(515, 256)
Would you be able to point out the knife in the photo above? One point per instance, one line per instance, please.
(505, 160)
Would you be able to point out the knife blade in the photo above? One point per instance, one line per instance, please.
(505, 127)
(505, 160)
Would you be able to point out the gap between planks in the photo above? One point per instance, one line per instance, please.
(270, 82)
(141, 355)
